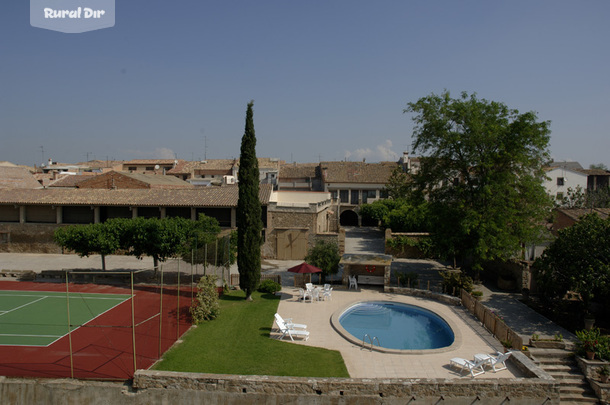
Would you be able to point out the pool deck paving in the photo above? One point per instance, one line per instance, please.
(471, 337)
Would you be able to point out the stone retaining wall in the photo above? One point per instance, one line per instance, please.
(294, 390)
(166, 387)
(416, 292)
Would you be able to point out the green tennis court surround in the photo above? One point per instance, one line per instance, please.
(39, 318)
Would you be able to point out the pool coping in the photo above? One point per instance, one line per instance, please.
(334, 321)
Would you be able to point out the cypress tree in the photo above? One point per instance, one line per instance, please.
(249, 223)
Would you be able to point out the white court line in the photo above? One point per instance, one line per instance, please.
(64, 297)
(15, 334)
(121, 299)
(24, 305)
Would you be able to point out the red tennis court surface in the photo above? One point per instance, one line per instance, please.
(103, 349)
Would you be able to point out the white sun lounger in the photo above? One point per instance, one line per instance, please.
(474, 367)
(288, 322)
(288, 331)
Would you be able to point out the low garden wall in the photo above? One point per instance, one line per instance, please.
(416, 292)
(404, 244)
(591, 368)
(491, 321)
(193, 388)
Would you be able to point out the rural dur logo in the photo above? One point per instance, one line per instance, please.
(72, 16)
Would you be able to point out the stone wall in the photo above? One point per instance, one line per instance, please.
(405, 251)
(294, 390)
(193, 388)
(416, 292)
(29, 238)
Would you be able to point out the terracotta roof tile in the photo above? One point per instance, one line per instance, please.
(298, 170)
(70, 180)
(17, 177)
(576, 213)
(357, 172)
(225, 196)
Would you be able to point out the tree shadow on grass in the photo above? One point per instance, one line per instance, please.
(226, 297)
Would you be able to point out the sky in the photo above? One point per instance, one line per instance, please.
(329, 79)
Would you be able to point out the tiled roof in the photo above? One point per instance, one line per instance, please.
(357, 172)
(17, 177)
(576, 213)
(594, 172)
(71, 180)
(185, 167)
(225, 196)
(298, 170)
(149, 162)
(147, 180)
(566, 165)
(101, 164)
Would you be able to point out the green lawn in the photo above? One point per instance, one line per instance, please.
(238, 342)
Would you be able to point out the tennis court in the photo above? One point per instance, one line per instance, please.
(110, 335)
(39, 318)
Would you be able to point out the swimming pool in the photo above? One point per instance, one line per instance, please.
(397, 326)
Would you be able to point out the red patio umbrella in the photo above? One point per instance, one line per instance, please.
(305, 268)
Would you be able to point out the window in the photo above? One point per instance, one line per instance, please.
(355, 199)
(560, 181)
(344, 196)
(150, 168)
(132, 168)
(559, 196)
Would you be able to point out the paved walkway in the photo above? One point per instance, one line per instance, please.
(519, 317)
(364, 240)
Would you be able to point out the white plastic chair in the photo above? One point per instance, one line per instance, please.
(326, 287)
(353, 282)
(474, 367)
(285, 330)
(315, 295)
(497, 363)
(288, 322)
(305, 294)
(327, 294)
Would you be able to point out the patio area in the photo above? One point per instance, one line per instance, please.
(471, 337)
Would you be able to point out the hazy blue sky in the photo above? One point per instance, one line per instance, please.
(330, 79)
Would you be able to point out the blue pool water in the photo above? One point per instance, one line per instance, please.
(397, 326)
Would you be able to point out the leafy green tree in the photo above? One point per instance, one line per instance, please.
(574, 198)
(325, 256)
(398, 184)
(600, 166)
(86, 240)
(157, 238)
(578, 260)
(599, 198)
(400, 215)
(375, 212)
(249, 223)
(481, 170)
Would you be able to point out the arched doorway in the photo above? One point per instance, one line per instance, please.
(348, 218)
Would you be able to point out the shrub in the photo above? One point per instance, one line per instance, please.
(456, 280)
(477, 294)
(603, 348)
(408, 279)
(588, 340)
(269, 286)
(206, 307)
